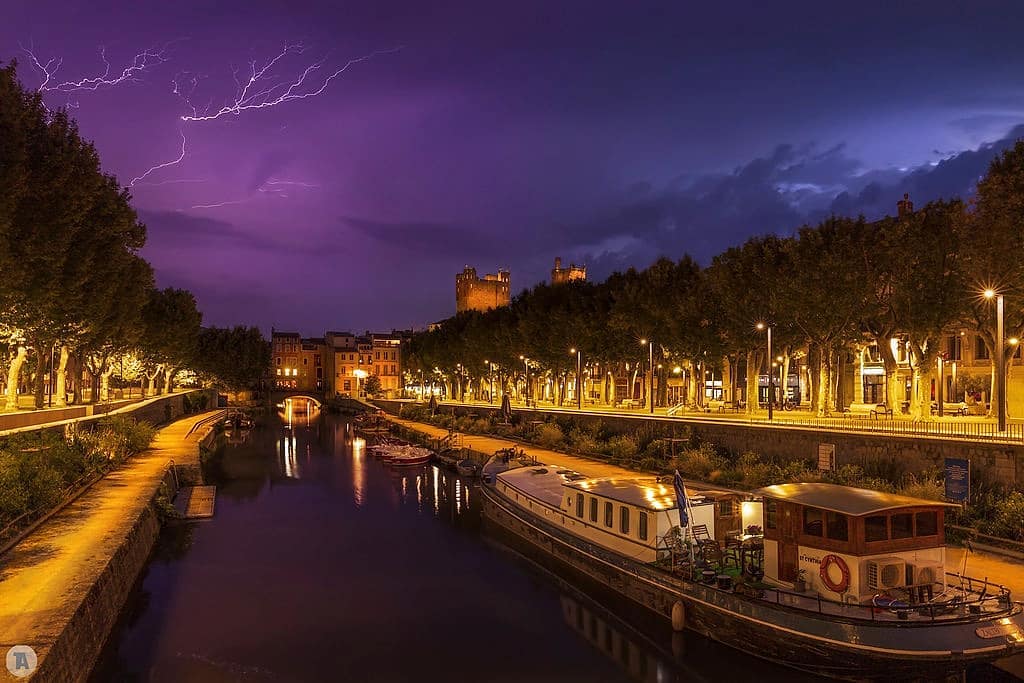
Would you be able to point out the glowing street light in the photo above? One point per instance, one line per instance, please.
(1000, 369)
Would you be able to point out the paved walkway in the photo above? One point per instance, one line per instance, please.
(980, 564)
(46, 577)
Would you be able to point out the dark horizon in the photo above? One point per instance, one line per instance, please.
(507, 136)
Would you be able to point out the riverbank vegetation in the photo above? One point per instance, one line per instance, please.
(660, 449)
(39, 470)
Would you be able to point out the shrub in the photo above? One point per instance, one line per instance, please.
(550, 435)
(623, 446)
(929, 488)
(699, 462)
(1008, 518)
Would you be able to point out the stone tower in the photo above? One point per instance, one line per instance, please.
(473, 293)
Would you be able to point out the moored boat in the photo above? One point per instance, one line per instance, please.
(467, 468)
(876, 601)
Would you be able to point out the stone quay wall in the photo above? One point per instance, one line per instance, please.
(77, 647)
(990, 461)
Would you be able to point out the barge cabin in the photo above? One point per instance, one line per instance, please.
(631, 515)
(852, 544)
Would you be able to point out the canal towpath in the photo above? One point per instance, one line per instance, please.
(62, 587)
(1005, 570)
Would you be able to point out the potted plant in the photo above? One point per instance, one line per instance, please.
(800, 582)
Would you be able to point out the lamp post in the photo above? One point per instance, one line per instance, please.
(1000, 370)
(650, 361)
(771, 389)
(579, 380)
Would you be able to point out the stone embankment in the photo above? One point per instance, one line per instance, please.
(990, 461)
(63, 587)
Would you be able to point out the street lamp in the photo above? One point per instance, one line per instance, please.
(1000, 370)
(771, 389)
(579, 380)
(650, 384)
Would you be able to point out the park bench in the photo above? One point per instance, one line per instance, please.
(629, 403)
(715, 405)
(950, 409)
(881, 409)
(872, 410)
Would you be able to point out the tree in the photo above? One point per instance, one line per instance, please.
(170, 336)
(371, 385)
(233, 358)
(990, 246)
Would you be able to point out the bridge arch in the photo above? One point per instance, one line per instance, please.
(308, 397)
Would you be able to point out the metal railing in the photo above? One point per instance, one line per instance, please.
(977, 431)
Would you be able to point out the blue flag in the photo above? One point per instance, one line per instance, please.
(681, 499)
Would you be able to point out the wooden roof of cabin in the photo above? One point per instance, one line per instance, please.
(845, 499)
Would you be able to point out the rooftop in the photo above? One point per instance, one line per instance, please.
(845, 499)
(545, 482)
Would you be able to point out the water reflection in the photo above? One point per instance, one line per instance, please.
(321, 549)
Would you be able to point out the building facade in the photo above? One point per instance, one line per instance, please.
(560, 275)
(473, 293)
(297, 363)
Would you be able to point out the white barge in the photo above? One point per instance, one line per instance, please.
(845, 582)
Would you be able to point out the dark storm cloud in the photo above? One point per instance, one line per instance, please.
(504, 134)
(424, 238)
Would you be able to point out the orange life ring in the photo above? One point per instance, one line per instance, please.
(823, 573)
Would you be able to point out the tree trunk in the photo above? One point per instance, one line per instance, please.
(105, 383)
(824, 383)
(169, 379)
(60, 394)
(13, 374)
(752, 375)
(814, 374)
(39, 381)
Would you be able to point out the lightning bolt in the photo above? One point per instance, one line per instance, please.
(173, 162)
(260, 92)
(130, 73)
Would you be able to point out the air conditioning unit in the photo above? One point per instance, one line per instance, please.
(924, 574)
(886, 572)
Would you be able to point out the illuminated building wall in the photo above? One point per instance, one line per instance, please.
(480, 294)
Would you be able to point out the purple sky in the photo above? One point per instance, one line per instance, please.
(504, 134)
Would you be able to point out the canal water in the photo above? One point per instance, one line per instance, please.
(324, 564)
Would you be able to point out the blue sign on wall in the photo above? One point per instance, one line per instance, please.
(958, 480)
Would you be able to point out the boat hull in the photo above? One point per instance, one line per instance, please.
(796, 638)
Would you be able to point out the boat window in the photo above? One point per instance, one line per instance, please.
(593, 510)
(771, 514)
(836, 526)
(642, 526)
(624, 519)
(813, 519)
(579, 505)
(903, 525)
(609, 515)
(927, 523)
(876, 528)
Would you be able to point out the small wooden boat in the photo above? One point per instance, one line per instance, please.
(467, 468)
